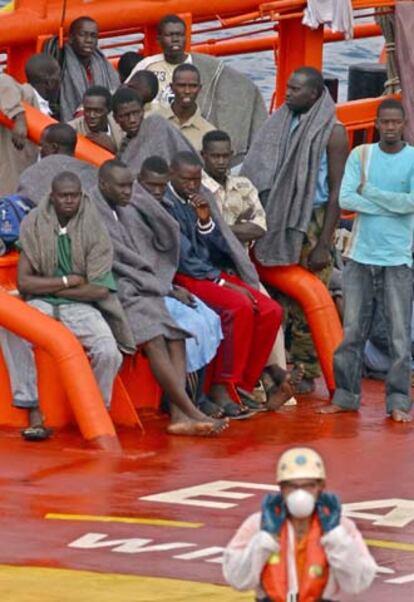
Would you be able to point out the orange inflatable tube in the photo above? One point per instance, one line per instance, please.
(36, 123)
(32, 18)
(72, 365)
(318, 307)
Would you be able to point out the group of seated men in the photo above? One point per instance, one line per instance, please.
(159, 237)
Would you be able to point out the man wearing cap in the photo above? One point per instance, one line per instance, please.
(299, 548)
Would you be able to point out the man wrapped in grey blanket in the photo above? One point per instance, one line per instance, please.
(139, 232)
(83, 65)
(144, 137)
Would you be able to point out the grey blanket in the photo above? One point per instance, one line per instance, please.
(155, 137)
(74, 82)
(284, 165)
(230, 101)
(36, 181)
(145, 240)
(92, 255)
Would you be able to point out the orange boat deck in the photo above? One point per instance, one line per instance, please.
(78, 509)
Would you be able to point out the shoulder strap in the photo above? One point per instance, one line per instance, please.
(365, 157)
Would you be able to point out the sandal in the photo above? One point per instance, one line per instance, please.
(36, 433)
(236, 411)
(250, 402)
(209, 408)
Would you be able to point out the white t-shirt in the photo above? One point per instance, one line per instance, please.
(164, 72)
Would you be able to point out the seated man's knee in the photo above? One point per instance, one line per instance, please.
(243, 305)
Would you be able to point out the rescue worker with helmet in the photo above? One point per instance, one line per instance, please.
(299, 548)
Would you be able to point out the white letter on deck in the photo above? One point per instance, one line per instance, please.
(132, 545)
(217, 489)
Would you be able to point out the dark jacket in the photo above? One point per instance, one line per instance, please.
(202, 255)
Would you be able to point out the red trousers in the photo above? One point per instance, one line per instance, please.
(248, 335)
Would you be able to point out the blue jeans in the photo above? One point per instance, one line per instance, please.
(365, 287)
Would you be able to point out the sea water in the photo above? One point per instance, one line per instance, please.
(338, 57)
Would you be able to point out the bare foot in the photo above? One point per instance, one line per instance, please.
(194, 428)
(286, 390)
(400, 416)
(279, 395)
(220, 425)
(333, 409)
(191, 429)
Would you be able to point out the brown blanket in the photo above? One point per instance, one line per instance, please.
(92, 255)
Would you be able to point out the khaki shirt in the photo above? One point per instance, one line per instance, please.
(12, 161)
(193, 129)
(238, 201)
(114, 131)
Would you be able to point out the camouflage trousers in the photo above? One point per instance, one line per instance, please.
(302, 350)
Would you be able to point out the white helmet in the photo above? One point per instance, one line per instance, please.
(300, 463)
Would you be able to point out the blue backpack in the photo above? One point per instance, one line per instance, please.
(13, 209)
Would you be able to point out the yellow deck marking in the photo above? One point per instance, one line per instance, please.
(157, 522)
(8, 8)
(391, 545)
(31, 584)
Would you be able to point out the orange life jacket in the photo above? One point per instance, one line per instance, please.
(315, 574)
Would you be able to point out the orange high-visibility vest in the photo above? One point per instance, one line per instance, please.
(315, 574)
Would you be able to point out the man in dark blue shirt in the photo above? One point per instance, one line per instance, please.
(215, 267)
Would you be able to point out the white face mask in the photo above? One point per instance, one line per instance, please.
(300, 503)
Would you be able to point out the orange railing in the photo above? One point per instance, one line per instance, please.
(243, 44)
(70, 362)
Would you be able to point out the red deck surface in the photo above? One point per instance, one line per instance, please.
(368, 459)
